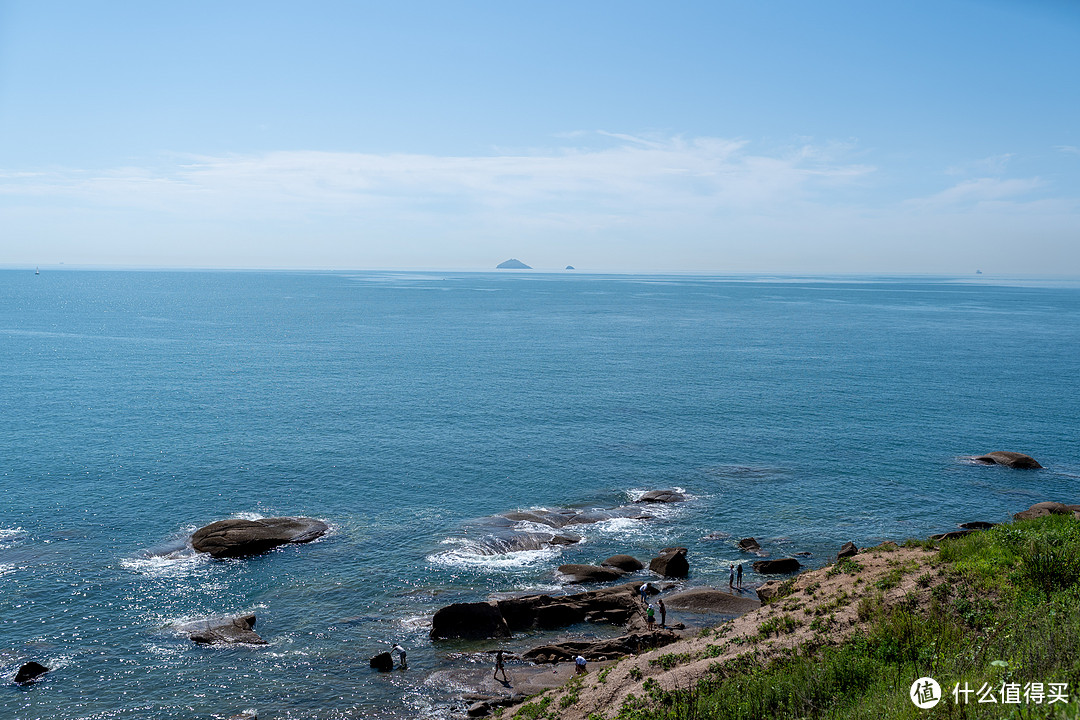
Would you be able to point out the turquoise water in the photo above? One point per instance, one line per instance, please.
(404, 409)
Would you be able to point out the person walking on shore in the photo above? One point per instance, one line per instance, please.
(663, 613)
(738, 576)
(731, 577)
(500, 667)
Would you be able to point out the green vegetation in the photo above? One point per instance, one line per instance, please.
(1000, 607)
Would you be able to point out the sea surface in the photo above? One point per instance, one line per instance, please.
(408, 409)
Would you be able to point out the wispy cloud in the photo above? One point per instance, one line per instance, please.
(981, 190)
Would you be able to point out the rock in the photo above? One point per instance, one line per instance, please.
(1042, 510)
(30, 672)
(480, 709)
(718, 535)
(630, 644)
(848, 549)
(661, 496)
(626, 563)
(1009, 459)
(469, 620)
(227, 631)
(383, 662)
(590, 573)
(242, 538)
(246, 715)
(769, 590)
(710, 600)
(512, 264)
(671, 562)
(952, 535)
(615, 604)
(977, 525)
(777, 567)
(749, 545)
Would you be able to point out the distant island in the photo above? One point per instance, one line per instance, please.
(569, 267)
(512, 264)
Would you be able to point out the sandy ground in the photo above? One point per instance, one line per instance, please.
(832, 600)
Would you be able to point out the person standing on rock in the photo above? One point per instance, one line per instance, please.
(401, 654)
(650, 617)
(738, 576)
(579, 664)
(644, 593)
(500, 667)
(663, 613)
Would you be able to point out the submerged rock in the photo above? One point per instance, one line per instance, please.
(626, 563)
(1009, 459)
(475, 621)
(225, 631)
(243, 538)
(661, 496)
(30, 672)
(777, 567)
(671, 562)
(590, 573)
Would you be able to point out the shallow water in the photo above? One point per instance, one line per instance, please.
(408, 409)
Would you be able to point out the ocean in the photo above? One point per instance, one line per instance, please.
(409, 409)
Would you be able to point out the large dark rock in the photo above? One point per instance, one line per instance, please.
(661, 496)
(242, 538)
(631, 644)
(469, 620)
(977, 525)
(626, 563)
(383, 662)
(30, 672)
(848, 549)
(951, 535)
(226, 631)
(671, 562)
(590, 573)
(709, 600)
(1009, 459)
(615, 605)
(777, 567)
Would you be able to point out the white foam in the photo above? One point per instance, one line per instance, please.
(6, 569)
(182, 563)
(9, 536)
(464, 558)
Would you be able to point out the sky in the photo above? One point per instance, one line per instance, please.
(786, 136)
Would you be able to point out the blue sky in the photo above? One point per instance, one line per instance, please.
(926, 137)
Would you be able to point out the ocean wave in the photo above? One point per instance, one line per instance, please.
(9, 537)
(174, 565)
(468, 554)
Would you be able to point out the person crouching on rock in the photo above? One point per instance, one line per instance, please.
(650, 616)
(401, 655)
(579, 663)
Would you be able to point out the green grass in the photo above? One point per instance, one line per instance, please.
(1002, 605)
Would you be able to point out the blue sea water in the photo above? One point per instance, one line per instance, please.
(404, 408)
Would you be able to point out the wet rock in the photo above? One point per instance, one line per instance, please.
(718, 535)
(661, 496)
(616, 605)
(624, 646)
(671, 562)
(777, 567)
(469, 620)
(749, 544)
(1009, 459)
(383, 662)
(848, 549)
(590, 573)
(1042, 510)
(977, 525)
(226, 631)
(243, 538)
(710, 600)
(30, 672)
(626, 563)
